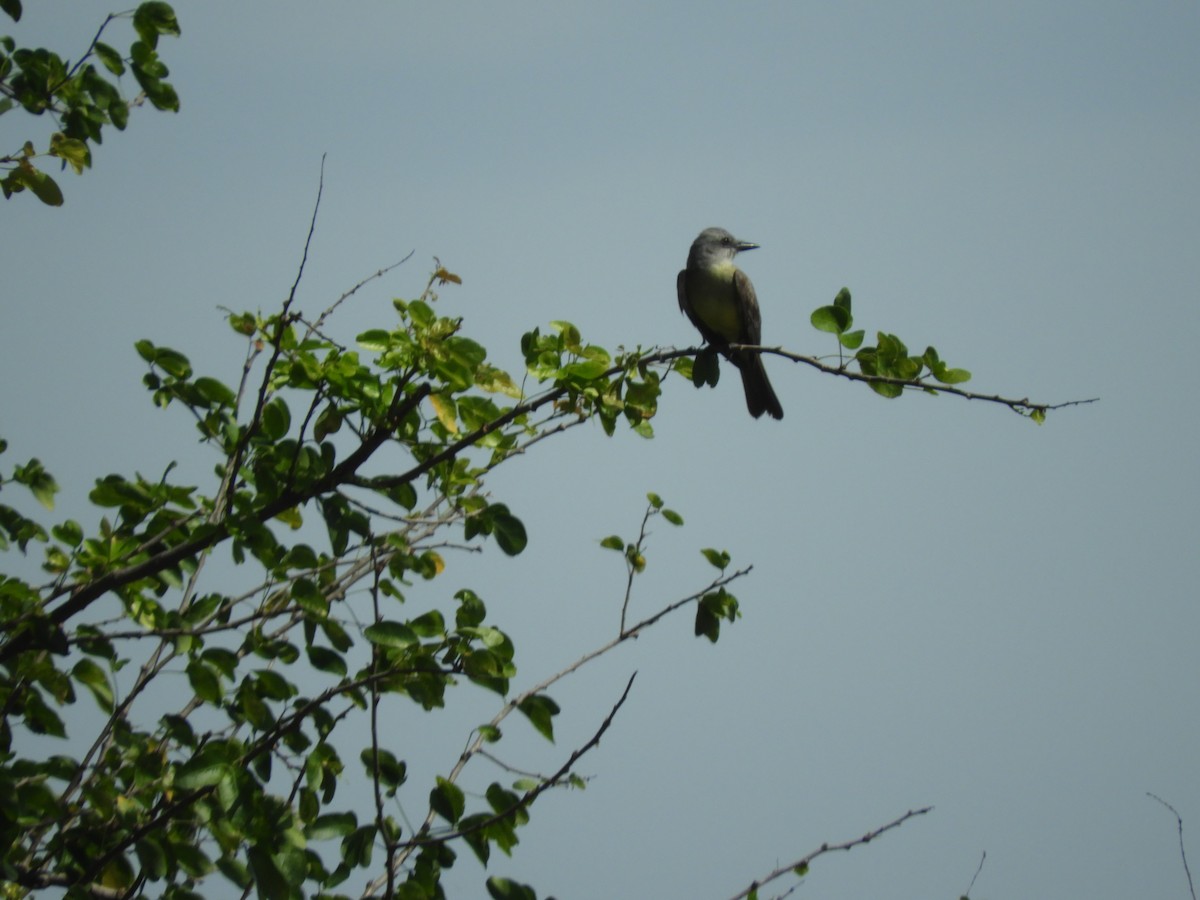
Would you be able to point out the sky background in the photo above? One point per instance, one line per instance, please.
(949, 605)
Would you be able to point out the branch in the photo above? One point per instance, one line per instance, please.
(474, 745)
(533, 793)
(800, 866)
(1023, 407)
(1182, 851)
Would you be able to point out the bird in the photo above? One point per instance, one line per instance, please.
(719, 299)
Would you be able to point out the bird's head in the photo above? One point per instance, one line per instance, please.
(716, 245)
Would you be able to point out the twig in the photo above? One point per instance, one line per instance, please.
(801, 865)
(532, 794)
(629, 564)
(976, 875)
(1182, 851)
(1024, 406)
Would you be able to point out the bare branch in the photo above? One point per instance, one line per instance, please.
(1182, 851)
(982, 859)
(801, 865)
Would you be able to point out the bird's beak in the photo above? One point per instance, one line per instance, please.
(746, 245)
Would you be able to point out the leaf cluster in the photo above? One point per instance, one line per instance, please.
(83, 97)
(344, 621)
(888, 365)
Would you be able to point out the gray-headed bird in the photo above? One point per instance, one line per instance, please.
(719, 299)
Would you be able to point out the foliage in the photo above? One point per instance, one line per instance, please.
(81, 97)
(245, 774)
(250, 773)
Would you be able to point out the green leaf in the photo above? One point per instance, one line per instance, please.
(310, 598)
(707, 624)
(718, 558)
(842, 300)
(613, 542)
(40, 483)
(540, 710)
(326, 660)
(331, 825)
(268, 879)
(276, 419)
(42, 185)
(506, 889)
(655, 500)
(72, 150)
(447, 800)
(215, 392)
(154, 18)
(91, 676)
(429, 625)
(507, 529)
(13, 8)
(391, 634)
(384, 765)
(110, 58)
(204, 682)
(833, 319)
(673, 517)
(851, 340)
(356, 848)
(202, 772)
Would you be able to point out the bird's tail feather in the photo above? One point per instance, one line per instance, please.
(760, 396)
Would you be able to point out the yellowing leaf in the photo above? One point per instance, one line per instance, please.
(444, 407)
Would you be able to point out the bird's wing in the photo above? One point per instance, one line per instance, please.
(751, 318)
(684, 304)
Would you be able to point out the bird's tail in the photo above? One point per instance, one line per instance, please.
(760, 396)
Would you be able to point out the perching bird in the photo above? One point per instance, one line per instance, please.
(719, 299)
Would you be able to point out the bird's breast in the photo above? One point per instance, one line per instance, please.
(714, 300)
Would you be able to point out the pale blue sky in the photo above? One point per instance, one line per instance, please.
(949, 605)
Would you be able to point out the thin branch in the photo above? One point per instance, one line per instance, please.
(316, 326)
(533, 793)
(982, 859)
(1182, 851)
(476, 743)
(632, 569)
(1024, 406)
(801, 865)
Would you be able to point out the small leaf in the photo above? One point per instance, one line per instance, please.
(673, 517)
(327, 660)
(718, 558)
(42, 185)
(331, 825)
(833, 319)
(154, 18)
(613, 542)
(507, 529)
(74, 151)
(540, 710)
(851, 340)
(447, 800)
(92, 677)
(390, 634)
(443, 406)
(110, 58)
(506, 889)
